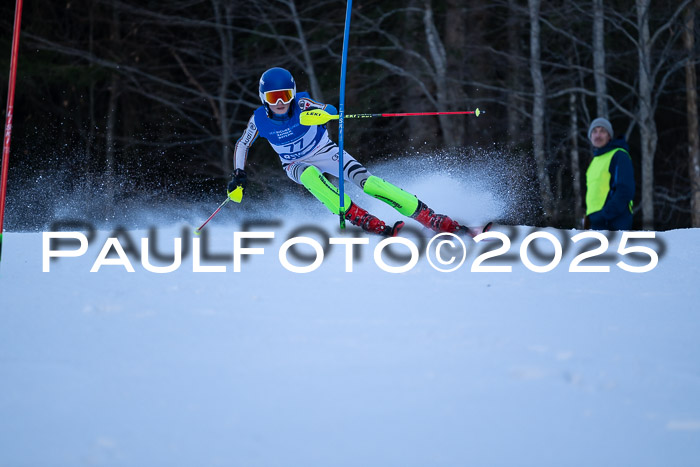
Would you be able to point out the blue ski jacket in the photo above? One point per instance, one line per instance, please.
(288, 137)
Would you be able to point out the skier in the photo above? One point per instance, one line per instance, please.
(306, 153)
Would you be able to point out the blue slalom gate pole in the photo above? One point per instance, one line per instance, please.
(341, 115)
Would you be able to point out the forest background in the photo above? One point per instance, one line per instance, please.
(124, 99)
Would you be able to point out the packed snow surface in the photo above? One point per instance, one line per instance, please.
(270, 367)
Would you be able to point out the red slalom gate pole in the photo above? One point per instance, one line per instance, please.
(8, 116)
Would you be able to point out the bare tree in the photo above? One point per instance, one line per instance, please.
(692, 112)
(438, 57)
(599, 58)
(656, 65)
(645, 112)
(421, 63)
(538, 110)
(513, 85)
(575, 160)
(223, 18)
(291, 41)
(456, 22)
(419, 97)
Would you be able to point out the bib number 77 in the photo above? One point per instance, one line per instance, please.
(292, 148)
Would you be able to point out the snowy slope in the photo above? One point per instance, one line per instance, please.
(267, 367)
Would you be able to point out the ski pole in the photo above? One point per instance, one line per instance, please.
(236, 195)
(320, 117)
(199, 230)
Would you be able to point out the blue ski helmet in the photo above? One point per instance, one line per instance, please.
(276, 79)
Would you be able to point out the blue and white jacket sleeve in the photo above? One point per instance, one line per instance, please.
(240, 152)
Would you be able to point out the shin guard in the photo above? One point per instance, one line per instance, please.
(401, 200)
(323, 190)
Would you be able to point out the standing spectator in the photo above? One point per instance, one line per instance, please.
(609, 180)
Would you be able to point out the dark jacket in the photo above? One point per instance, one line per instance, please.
(616, 213)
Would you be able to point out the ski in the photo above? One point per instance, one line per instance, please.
(393, 231)
(474, 231)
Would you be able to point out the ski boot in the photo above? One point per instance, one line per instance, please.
(367, 222)
(436, 222)
(441, 223)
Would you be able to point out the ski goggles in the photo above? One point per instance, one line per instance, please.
(285, 95)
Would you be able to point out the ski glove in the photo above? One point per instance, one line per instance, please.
(237, 185)
(331, 109)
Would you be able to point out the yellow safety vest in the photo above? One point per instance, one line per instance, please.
(598, 181)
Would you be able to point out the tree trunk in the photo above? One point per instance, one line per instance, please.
(316, 91)
(111, 130)
(601, 90)
(421, 132)
(439, 60)
(538, 109)
(92, 123)
(224, 17)
(575, 160)
(647, 126)
(513, 80)
(456, 47)
(692, 111)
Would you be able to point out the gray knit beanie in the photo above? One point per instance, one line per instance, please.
(600, 121)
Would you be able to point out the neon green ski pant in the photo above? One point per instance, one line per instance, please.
(327, 193)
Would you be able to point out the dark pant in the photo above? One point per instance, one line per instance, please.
(622, 222)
